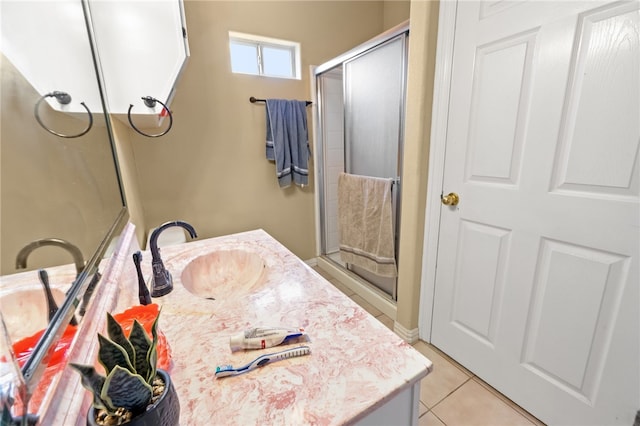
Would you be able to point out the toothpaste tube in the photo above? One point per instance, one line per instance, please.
(264, 337)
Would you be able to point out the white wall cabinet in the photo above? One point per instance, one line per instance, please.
(47, 42)
(143, 49)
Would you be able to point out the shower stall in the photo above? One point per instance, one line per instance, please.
(359, 130)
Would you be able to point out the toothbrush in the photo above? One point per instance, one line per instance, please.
(228, 370)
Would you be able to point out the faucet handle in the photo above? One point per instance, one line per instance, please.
(143, 292)
(162, 282)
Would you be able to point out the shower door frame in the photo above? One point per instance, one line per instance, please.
(341, 60)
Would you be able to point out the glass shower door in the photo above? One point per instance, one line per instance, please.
(374, 98)
(374, 107)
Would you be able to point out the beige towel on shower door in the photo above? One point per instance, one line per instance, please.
(365, 223)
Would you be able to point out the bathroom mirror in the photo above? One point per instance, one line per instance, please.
(52, 187)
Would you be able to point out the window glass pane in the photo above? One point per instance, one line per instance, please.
(244, 58)
(277, 61)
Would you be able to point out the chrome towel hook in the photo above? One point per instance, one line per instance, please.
(63, 98)
(151, 102)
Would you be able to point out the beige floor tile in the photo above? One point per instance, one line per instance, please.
(386, 321)
(443, 380)
(366, 305)
(429, 419)
(510, 403)
(451, 360)
(473, 404)
(422, 409)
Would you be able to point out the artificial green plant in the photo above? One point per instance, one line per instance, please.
(130, 365)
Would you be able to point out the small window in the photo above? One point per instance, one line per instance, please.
(265, 56)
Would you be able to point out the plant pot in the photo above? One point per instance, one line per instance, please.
(165, 412)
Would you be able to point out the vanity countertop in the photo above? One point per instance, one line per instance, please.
(358, 369)
(355, 366)
(22, 296)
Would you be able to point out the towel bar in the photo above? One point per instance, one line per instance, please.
(253, 100)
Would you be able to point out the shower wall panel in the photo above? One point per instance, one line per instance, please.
(333, 130)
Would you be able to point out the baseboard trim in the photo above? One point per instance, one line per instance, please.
(408, 335)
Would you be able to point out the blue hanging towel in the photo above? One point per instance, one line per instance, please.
(288, 141)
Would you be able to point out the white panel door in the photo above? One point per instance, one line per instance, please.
(537, 283)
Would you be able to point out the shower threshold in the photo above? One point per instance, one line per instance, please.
(337, 269)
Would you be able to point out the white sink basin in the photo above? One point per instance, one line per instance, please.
(25, 311)
(221, 273)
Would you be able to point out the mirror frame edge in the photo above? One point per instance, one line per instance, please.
(34, 367)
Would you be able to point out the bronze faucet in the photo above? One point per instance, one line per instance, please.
(162, 282)
(21, 259)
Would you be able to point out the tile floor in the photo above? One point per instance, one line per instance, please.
(451, 394)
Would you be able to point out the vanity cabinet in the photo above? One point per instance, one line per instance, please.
(142, 51)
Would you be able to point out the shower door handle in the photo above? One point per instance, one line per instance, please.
(450, 200)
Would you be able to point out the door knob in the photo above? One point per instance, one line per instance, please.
(450, 200)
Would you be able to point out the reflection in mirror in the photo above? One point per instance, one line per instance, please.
(12, 385)
(51, 187)
(60, 198)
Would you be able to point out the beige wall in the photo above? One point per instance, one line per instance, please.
(51, 187)
(210, 170)
(422, 50)
(395, 12)
(129, 177)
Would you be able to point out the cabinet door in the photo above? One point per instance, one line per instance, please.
(50, 56)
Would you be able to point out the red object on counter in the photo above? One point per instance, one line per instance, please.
(23, 348)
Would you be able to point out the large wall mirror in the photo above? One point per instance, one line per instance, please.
(51, 187)
(60, 193)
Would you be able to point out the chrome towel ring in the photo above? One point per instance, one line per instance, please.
(151, 102)
(63, 98)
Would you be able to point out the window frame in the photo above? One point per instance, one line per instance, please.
(260, 42)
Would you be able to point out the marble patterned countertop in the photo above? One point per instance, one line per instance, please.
(356, 363)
